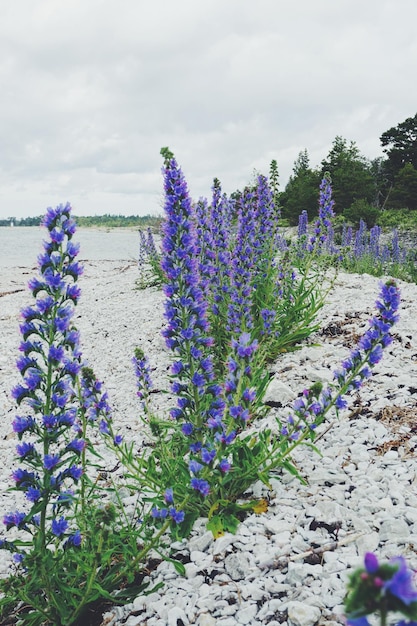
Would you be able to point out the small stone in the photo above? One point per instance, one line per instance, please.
(394, 530)
(175, 614)
(300, 614)
(237, 566)
(206, 620)
(197, 556)
(221, 544)
(246, 615)
(278, 393)
(201, 542)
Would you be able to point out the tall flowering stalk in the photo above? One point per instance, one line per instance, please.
(240, 317)
(149, 261)
(187, 330)
(322, 229)
(50, 440)
(143, 378)
(310, 410)
(59, 399)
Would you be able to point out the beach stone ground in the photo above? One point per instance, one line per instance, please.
(289, 565)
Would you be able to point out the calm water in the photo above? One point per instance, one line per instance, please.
(20, 246)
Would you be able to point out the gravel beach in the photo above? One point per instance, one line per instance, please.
(289, 565)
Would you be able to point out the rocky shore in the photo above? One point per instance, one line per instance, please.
(289, 565)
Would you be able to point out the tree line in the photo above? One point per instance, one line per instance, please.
(362, 188)
(106, 221)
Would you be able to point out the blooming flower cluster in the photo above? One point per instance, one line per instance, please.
(49, 366)
(322, 230)
(96, 406)
(168, 512)
(381, 588)
(149, 259)
(143, 377)
(311, 408)
(187, 331)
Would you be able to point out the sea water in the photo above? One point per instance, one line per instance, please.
(20, 246)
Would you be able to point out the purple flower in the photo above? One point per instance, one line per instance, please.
(77, 446)
(176, 516)
(14, 519)
(224, 466)
(74, 472)
(23, 478)
(74, 539)
(358, 621)
(159, 513)
(50, 461)
(59, 526)
(371, 563)
(25, 450)
(200, 485)
(18, 558)
(207, 456)
(187, 429)
(33, 494)
(169, 496)
(56, 354)
(401, 584)
(194, 467)
(22, 424)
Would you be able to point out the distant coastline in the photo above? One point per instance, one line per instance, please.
(92, 221)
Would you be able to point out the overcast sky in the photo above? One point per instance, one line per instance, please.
(90, 90)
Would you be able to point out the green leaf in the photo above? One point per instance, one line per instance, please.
(179, 567)
(215, 524)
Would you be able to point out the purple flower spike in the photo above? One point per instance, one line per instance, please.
(322, 236)
(187, 272)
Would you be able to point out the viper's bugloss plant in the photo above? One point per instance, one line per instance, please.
(212, 454)
(381, 589)
(368, 252)
(235, 297)
(63, 539)
(49, 367)
(310, 410)
(149, 261)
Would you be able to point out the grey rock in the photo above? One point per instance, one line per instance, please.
(300, 614)
(394, 530)
(246, 615)
(201, 542)
(176, 614)
(279, 392)
(237, 565)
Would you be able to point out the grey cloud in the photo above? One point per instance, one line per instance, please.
(91, 92)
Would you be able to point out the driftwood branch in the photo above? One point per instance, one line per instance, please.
(282, 561)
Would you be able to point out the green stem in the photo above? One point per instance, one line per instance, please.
(90, 581)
